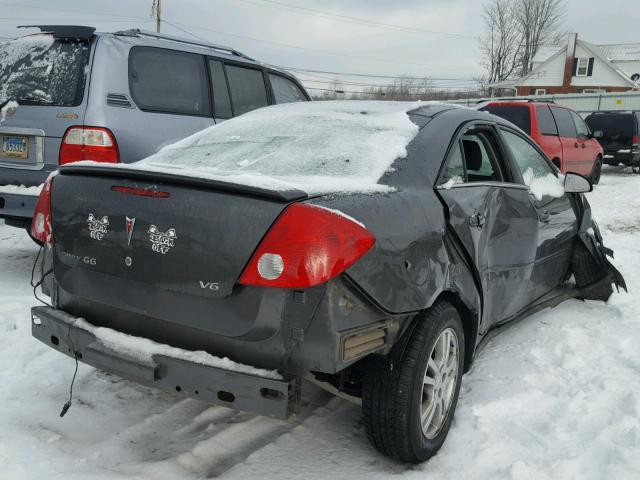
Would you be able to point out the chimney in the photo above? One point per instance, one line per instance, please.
(568, 63)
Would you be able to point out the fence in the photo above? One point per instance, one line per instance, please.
(583, 103)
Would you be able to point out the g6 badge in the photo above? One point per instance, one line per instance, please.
(97, 227)
(162, 242)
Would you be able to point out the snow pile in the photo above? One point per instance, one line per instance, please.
(547, 185)
(144, 349)
(317, 147)
(21, 190)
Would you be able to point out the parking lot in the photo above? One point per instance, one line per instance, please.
(554, 396)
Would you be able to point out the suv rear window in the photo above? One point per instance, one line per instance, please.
(247, 89)
(169, 81)
(614, 126)
(516, 114)
(37, 69)
(285, 91)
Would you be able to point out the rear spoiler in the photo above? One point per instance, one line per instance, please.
(173, 179)
(65, 31)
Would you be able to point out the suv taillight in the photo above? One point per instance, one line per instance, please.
(88, 143)
(635, 140)
(306, 246)
(41, 224)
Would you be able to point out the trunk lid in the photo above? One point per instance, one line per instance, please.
(185, 236)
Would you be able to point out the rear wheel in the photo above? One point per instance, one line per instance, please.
(408, 399)
(635, 168)
(596, 171)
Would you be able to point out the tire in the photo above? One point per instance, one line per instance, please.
(635, 168)
(395, 397)
(596, 172)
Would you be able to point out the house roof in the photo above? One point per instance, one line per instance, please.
(608, 54)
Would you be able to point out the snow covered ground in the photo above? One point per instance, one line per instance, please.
(556, 396)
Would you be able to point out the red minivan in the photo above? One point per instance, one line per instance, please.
(559, 131)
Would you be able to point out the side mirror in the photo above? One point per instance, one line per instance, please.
(576, 183)
(597, 134)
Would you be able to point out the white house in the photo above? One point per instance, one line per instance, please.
(579, 67)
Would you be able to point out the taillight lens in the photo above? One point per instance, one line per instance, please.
(306, 246)
(41, 224)
(635, 140)
(88, 143)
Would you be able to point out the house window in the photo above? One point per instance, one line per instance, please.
(540, 91)
(582, 68)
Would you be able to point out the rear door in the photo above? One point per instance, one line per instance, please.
(547, 135)
(493, 218)
(589, 147)
(572, 154)
(557, 225)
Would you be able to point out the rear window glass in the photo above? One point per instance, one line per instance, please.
(546, 123)
(316, 146)
(169, 81)
(247, 89)
(612, 126)
(221, 100)
(566, 127)
(37, 69)
(518, 115)
(285, 91)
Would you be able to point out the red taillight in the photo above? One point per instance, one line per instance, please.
(306, 246)
(635, 140)
(141, 192)
(41, 224)
(88, 143)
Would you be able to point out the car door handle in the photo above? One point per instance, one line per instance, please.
(476, 220)
(544, 216)
(577, 144)
(584, 146)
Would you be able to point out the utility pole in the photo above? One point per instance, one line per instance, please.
(156, 9)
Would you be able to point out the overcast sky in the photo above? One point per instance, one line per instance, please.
(280, 35)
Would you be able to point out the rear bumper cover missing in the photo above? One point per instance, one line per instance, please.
(264, 396)
(19, 206)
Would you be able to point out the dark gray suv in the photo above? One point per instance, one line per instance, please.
(70, 93)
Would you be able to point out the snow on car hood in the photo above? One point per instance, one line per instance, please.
(317, 147)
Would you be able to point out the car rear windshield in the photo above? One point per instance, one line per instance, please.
(516, 114)
(38, 69)
(613, 127)
(314, 146)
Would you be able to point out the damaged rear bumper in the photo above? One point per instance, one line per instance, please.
(264, 396)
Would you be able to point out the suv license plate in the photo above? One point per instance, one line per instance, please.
(15, 147)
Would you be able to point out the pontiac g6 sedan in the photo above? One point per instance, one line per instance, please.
(368, 247)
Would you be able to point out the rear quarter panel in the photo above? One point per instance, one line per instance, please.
(138, 133)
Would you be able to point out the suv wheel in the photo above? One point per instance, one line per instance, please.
(596, 171)
(408, 399)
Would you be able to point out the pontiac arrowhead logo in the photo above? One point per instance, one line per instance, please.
(130, 223)
(97, 227)
(161, 242)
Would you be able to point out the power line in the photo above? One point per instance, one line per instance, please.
(79, 20)
(358, 20)
(324, 52)
(347, 74)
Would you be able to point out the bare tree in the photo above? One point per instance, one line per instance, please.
(539, 22)
(515, 31)
(501, 46)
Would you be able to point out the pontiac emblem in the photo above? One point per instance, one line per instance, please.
(130, 223)
(162, 242)
(97, 227)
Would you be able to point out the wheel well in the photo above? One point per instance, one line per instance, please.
(469, 324)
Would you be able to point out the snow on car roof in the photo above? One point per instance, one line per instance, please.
(317, 147)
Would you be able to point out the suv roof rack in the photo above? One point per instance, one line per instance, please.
(136, 32)
(517, 99)
(65, 31)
